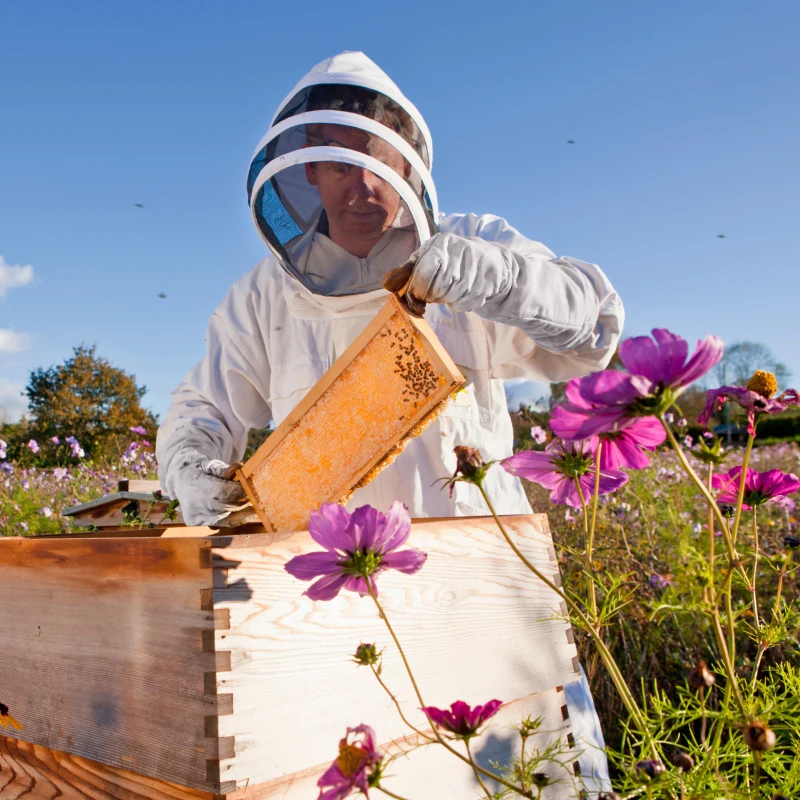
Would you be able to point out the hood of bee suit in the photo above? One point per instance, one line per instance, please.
(345, 152)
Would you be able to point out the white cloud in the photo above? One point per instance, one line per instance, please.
(13, 401)
(12, 276)
(531, 393)
(13, 341)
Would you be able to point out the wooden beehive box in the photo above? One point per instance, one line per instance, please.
(151, 667)
(380, 392)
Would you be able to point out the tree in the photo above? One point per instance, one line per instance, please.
(86, 397)
(742, 359)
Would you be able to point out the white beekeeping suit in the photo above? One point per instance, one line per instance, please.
(502, 305)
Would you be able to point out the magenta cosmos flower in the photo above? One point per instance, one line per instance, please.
(622, 448)
(461, 720)
(759, 487)
(356, 767)
(358, 546)
(658, 370)
(557, 467)
(755, 398)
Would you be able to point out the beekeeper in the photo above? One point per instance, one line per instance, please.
(341, 192)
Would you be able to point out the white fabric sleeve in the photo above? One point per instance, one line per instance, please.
(223, 396)
(548, 318)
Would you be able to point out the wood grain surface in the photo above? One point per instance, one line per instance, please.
(32, 772)
(475, 625)
(103, 650)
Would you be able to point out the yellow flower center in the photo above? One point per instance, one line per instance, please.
(351, 756)
(763, 383)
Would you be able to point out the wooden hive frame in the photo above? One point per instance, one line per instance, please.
(392, 380)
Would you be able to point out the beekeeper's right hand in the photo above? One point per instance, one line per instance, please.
(205, 498)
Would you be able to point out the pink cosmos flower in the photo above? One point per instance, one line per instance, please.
(33, 445)
(3, 448)
(759, 487)
(751, 401)
(661, 581)
(55, 440)
(461, 720)
(658, 370)
(74, 446)
(621, 448)
(358, 547)
(557, 467)
(538, 434)
(138, 429)
(356, 767)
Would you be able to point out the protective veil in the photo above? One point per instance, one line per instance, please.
(283, 324)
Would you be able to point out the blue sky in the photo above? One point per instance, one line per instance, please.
(685, 117)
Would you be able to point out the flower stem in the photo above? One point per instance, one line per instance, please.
(608, 659)
(755, 570)
(391, 794)
(587, 552)
(704, 718)
(590, 539)
(733, 563)
(742, 481)
(397, 705)
(383, 616)
(475, 770)
(732, 556)
(436, 733)
(779, 592)
(711, 539)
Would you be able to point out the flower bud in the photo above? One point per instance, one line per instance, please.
(758, 736)
(763, 383)
(791, 542)
(728, 511)
(651, 769)
(540, 779)
(608, 796)
(710, 450)
(469, 461)
(683, 761)
(366, 655)
(529, 726)
(701, 677)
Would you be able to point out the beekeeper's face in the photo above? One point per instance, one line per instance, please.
(360, 206)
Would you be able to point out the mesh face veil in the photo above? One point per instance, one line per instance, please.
(340, 186)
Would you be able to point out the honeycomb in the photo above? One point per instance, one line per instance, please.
(387, 394)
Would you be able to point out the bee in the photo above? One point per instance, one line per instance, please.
(6, 719)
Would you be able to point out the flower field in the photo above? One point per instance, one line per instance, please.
(679, 557)
(32, 497)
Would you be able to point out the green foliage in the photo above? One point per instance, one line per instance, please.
(255, 438)
(779, 426)
(85, 397)
(32, 499)
(652, 576)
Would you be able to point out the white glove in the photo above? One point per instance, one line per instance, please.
(552, 300)
(205, 498)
